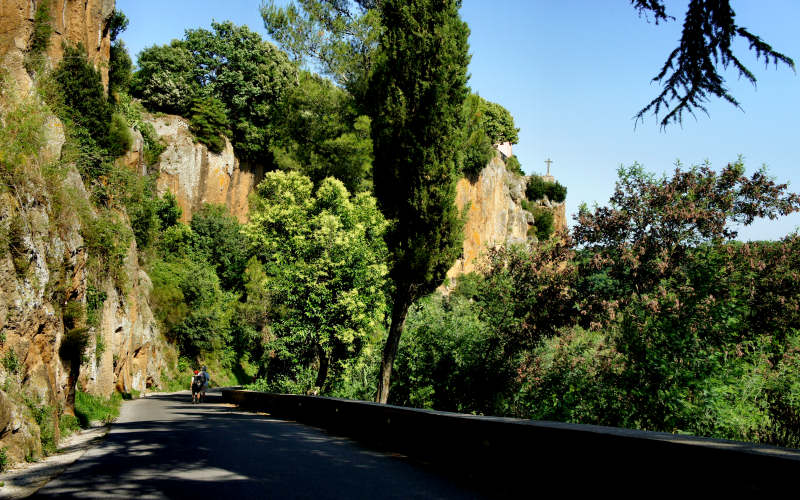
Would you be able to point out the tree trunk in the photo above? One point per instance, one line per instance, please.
(399, 313)
(322, 374)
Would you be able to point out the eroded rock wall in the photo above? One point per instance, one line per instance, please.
(41, 271)
(494, 216)
(197, 176)
(73, 22)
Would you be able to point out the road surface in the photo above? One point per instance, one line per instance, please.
(163, 446)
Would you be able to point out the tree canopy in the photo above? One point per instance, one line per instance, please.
(325, 263)
(416, 96)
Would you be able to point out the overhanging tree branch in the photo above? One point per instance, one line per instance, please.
(691, 73)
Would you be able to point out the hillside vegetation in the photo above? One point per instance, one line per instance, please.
(648, 314)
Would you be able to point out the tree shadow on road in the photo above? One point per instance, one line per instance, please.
(211, 450)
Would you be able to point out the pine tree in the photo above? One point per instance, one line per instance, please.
(416, 96)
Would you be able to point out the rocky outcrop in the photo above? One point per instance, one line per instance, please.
(197, 176)
(43, 270)
(494, 214)
(73, 22)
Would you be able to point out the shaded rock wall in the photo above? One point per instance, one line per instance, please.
(44, 271)
(73, 22)
(197, 176)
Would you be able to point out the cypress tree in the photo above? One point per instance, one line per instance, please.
(415, 96)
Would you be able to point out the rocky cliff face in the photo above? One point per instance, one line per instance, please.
(495, 215)
(44, 258)
(73, 21)
(43, 271)
(196, 176)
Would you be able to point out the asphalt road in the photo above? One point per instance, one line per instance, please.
(163, 446)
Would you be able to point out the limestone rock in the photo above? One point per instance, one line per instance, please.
(73, 22)
(197, 176)
(495, 215)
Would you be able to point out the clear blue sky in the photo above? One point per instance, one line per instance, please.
(574, 72)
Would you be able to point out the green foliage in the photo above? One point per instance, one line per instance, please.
(68, 424)
(119, 136)
(447, 358)
(250, 76)
(417, 93)
(120, 68)
(538, 189)
(657, 320)
(99, 347)
(165, 78)
(219, 237)
(322, 135)
(187, 300)
(21, 136)
(478, 148)
(209, 122)
(11, 362)
(542, 221)
(513, 165)
(338, 38)
(116, 24)
(5, 462)
(169, 213)
(416, 98)
(45, 417)
(324, 258)
(498, 123)
(107, 239)
(83, 99)
(232, 64)
(40, 38)
(89, 408)
(571, 377)
(132, 110)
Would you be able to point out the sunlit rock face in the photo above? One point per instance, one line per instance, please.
(73, 21)
(494, 214)
(196, 176)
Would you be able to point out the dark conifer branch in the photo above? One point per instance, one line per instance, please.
(691, 73)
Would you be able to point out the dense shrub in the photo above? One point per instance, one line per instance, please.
(538, 188)
(513, 165)
(219, 237)
(542, 221)
(209, 122)
(40, 38)
(120, 68)
(83, 98)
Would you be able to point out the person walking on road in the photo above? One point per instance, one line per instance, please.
(206, 379)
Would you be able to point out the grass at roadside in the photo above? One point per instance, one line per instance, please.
(90, 408)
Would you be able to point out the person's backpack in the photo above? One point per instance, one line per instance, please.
(197, 381)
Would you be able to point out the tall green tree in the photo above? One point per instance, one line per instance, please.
(337, 37)
(416, 97)
(325, 262)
